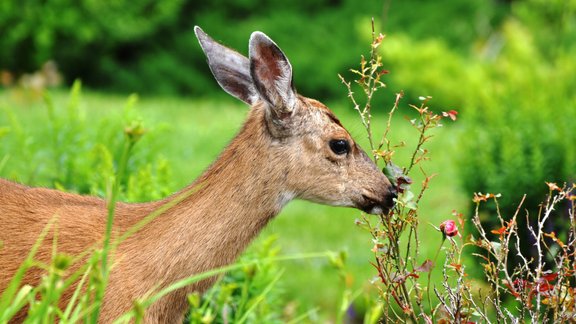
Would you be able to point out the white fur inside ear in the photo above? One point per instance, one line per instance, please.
(284, 85)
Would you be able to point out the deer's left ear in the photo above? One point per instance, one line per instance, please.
(272, 74)
(230, 68)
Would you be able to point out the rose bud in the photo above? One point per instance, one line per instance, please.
(449, 228)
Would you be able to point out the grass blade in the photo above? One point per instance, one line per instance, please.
(260, 297)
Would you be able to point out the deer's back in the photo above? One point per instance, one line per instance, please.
(25, 212)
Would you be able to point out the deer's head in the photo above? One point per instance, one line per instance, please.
(321, 161)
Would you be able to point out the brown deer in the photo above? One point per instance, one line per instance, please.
(290, 147)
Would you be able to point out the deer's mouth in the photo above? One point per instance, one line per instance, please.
(375, 206)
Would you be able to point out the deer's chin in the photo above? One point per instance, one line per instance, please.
(375, 210)
(375, 207)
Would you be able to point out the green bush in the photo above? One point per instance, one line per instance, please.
(515, 93)
(79, 34)
(521, 125)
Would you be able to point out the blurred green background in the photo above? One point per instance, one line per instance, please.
(508, 67)
(149, 46)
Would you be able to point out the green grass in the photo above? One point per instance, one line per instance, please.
(190, 133)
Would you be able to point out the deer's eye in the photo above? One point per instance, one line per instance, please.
(340, 146)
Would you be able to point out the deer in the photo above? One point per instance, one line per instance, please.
(289, 147)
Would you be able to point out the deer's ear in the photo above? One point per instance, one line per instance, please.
(272, 74)
(230, 68)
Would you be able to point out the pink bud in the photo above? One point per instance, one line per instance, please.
(449, 228)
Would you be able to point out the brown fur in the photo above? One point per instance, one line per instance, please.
(225, 208)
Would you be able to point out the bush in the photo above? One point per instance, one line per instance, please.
(537, 286)
(515, 92)
(78, 36)
(521, 124)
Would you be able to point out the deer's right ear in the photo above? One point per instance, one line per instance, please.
(230, 68)
(272, 74)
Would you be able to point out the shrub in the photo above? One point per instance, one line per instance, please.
(76, 36)
(522, 286)
(515, 94)
(520, 127)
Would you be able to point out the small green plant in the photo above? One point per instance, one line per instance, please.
(66, 153)
(248, 294)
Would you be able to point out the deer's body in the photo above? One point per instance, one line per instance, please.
(285, 150)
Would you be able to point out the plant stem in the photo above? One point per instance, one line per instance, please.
(113, 198)
(430, 276)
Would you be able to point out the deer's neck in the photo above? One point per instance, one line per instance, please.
(221, 212)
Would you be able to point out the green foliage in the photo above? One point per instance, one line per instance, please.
(248, 294)
(76, 34)
(515, 92)
(149, 46)
(522, 125)
(522, 122)
(66, 153)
